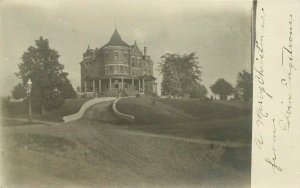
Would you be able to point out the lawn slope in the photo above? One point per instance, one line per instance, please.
(179, 110)
(213, 120)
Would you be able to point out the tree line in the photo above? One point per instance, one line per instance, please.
(181, 77)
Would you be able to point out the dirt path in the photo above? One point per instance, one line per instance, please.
(101, 112)
(191, 140)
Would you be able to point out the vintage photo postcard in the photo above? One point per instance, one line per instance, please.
(130, 93)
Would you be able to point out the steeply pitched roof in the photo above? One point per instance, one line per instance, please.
(116, 40)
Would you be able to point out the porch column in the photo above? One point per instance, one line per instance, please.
(94, 86)
(85, 86)
(143, 86)
(122, 83)
(139, 85)
(99, 86)
(110, 84)
(132, 84)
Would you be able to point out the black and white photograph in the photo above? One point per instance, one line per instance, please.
(126, 93)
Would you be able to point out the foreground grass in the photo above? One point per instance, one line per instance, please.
(88, 154)
(93, 153)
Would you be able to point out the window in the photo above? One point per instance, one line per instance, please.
(106, 56)
(126, 56)
(115, 56)
(121, 69)
(115, 69)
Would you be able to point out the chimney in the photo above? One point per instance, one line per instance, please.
(145, 50)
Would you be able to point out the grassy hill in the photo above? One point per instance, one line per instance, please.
(180, 110)
(213, 120)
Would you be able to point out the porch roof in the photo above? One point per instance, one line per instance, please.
(148, 78)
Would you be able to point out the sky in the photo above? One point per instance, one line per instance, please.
(217, 31)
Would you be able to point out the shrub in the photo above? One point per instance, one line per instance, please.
(5, 106)
(123, 93)
(154, 95)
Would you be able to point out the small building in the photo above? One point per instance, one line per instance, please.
(117, 68)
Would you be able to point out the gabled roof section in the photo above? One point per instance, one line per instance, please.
(116, 40)
(135, 49)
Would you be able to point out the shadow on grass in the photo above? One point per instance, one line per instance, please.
(43, 142)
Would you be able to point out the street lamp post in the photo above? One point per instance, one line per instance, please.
(29, 84)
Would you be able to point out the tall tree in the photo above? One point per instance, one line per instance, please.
(40, 63)
(199, 91)
(180, 73)
(222, 88)
(19, 91)
(68, 90)
(171, 80)
(244, 85)
(189, 72)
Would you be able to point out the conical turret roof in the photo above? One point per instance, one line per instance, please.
(116, 40)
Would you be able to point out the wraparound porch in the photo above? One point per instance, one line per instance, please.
(112, 86)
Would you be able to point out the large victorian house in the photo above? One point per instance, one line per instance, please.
(117, 68)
